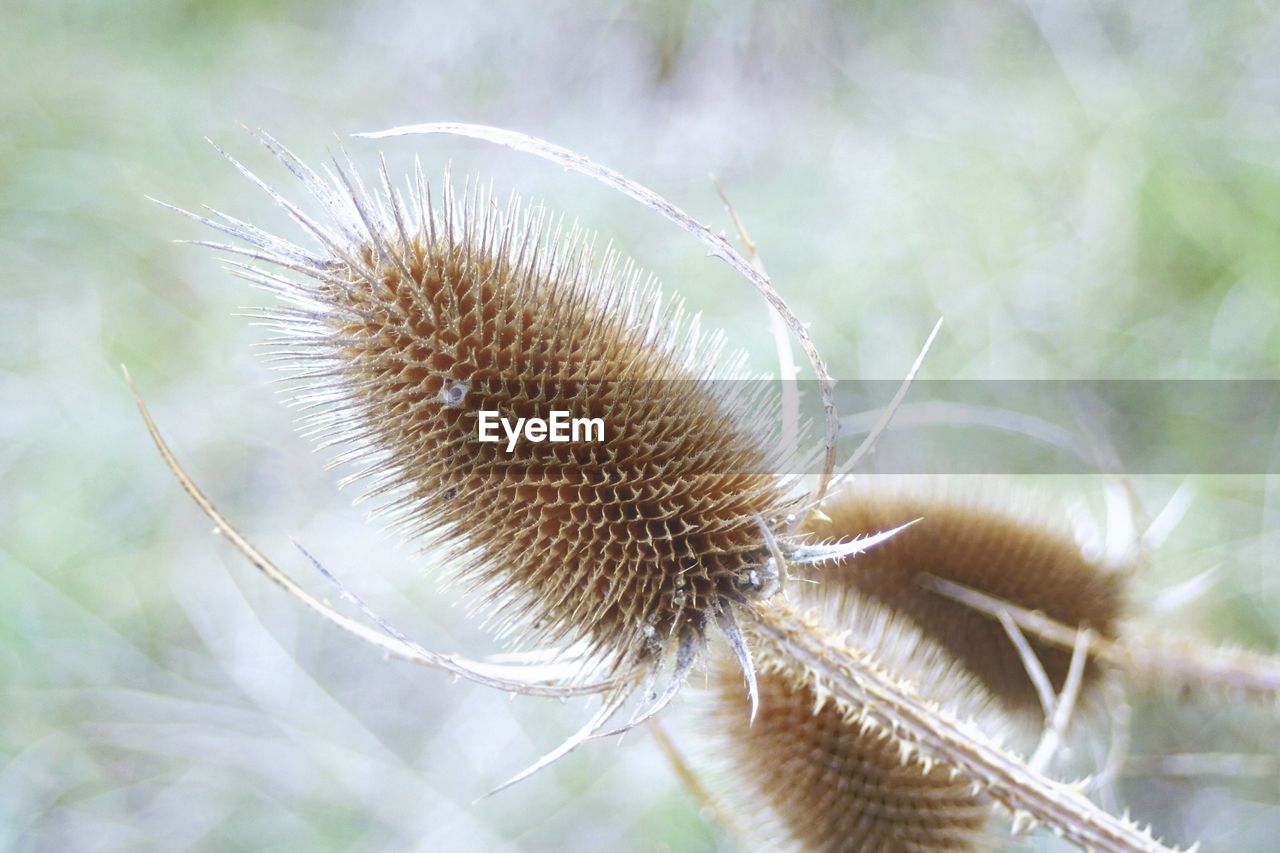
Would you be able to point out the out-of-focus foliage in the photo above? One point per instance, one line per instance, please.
(1083, 190)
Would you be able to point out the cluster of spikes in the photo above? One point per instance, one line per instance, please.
(882, 694)
(418, 313)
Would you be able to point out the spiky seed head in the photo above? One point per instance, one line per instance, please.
(413, 318)
(999, 546)
(811, 775)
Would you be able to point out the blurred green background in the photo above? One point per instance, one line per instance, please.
(1084, 190)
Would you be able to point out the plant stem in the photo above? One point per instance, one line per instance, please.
(875, 699)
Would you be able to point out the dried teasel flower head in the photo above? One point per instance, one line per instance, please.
(810, 774)
(990, 542)
(410, 318)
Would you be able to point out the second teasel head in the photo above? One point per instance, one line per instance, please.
(995, 541)
(407, 318)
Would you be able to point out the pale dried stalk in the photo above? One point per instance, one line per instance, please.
(878, 700)
(1146, 654)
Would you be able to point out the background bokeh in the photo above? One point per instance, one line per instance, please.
(1084, 190)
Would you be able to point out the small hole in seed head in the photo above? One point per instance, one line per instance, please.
(454, 393)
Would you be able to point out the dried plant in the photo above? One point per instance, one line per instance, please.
(416, 317)
(410, 317)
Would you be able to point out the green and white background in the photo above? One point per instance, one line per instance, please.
(1084, 190)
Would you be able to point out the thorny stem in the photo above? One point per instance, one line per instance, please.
(1144, 654)
(879, 701)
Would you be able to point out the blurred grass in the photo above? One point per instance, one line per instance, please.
(1083, 190)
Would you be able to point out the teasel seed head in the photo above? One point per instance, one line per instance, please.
(411, 318)
(811, 775)
(998, 546)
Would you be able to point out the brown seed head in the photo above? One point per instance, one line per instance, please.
(416, 318)
(1003, 551)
